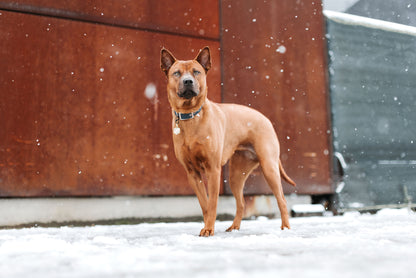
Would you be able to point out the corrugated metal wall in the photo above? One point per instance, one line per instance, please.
(83, 105)
(274, 59)
(373, 100)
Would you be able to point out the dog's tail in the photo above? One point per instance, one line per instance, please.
(284, 175)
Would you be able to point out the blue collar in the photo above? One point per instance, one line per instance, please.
(186, 116)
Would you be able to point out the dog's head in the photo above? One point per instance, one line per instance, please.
(187, 86)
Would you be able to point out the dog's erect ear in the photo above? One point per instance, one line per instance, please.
(166, 60)
(204, 58)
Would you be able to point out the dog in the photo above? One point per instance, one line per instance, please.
(206, 135)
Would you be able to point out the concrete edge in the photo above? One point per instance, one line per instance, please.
(25, 211)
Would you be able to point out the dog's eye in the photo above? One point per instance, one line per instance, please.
(196, 72)
(177, 74)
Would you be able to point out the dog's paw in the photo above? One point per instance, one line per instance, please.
(206, 232)
(287, 226)
(233, 227)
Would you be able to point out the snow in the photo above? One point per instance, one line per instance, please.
(150, 91)
(370, 23)
(281, 49)
(353, 245)
(302, 208)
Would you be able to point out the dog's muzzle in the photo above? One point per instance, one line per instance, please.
(187, 88)
(188, 94)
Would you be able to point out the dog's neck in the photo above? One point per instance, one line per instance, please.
(187, 116)
(178, 116)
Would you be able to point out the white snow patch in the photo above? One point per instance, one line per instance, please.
(370, 23)
(150, 91)
(281, 49)
(353, 245)
(302, 208)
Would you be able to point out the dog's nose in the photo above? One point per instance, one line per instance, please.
(188, 82)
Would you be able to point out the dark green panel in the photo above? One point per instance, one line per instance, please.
(373, 101)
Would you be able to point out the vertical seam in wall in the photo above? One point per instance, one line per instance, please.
(221, 50)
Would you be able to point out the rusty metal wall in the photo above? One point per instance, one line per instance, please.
(274, 60)
(74, 75)
(83, 107)
(180, 17)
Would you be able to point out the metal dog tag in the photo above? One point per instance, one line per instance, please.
(176, 130)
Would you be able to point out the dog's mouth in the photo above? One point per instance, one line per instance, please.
(187, 94)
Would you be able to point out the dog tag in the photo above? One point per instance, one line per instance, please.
(176, 130)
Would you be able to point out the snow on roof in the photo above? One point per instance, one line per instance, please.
(350, 19)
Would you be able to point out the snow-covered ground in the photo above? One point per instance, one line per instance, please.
(353, 245)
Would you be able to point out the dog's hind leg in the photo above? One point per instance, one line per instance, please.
(242, 163)
(268, 152)
(271, 172)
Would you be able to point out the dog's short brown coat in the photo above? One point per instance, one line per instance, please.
(217, 134)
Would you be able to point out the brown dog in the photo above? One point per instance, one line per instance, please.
(206, 135)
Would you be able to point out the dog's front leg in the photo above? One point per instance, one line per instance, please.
(195, 180)
(214, 176)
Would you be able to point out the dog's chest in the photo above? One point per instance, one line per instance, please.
(193, 152)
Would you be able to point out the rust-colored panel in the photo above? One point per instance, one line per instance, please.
(75, 119)
(274, 61)
(185, 17)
